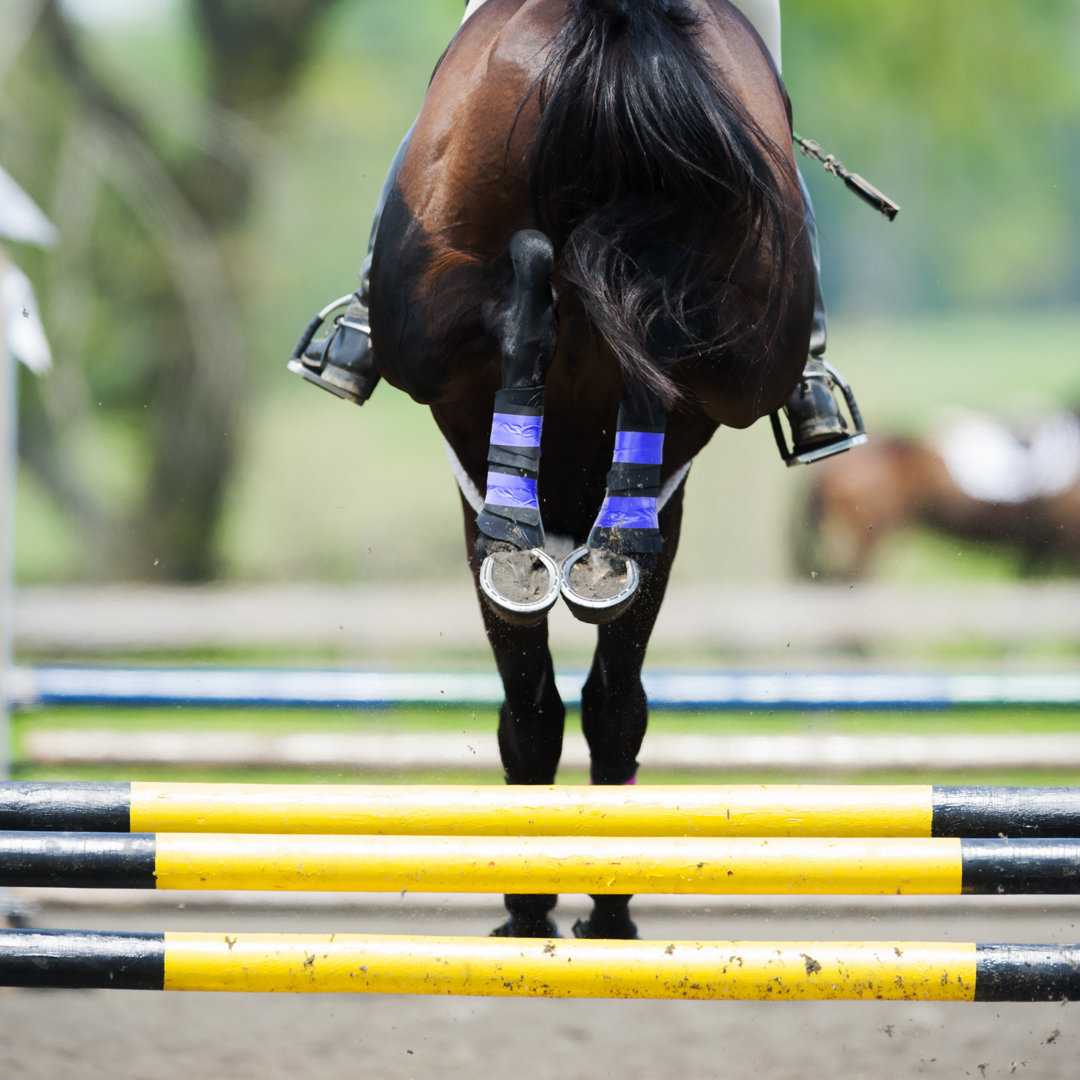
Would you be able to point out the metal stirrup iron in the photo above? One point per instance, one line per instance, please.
(325, 366)
(806, 454)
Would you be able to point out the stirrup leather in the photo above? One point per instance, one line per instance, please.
(806, 453)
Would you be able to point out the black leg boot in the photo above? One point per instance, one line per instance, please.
(343, 362)
(819, 428)
(529, 917)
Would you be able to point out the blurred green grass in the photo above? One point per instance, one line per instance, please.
(481, 720)
(329, 492)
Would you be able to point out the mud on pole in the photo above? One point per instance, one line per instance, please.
(692, 970)
(497, 810)
(545, 864)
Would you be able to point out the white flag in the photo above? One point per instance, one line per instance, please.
(25, 335)
(20, 218)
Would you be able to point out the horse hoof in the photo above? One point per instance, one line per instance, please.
(519, 927)
(598, 586)
(520, 586)
(625, 930)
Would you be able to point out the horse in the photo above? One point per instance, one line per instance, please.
(1012, 488)
(594, 246)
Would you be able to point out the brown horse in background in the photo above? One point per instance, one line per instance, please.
(855, 503)
(596, 227)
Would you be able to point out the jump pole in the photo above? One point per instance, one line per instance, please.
(545, 864)
(495, 810)
(717, 970)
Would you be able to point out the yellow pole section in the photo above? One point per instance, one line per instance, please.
(556, 864)
(443, 810)
(733, 970)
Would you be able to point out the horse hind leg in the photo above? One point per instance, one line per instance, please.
(518, 579)
(609, 919)
(614, 716)
(531, 722)
(529, 917)
(615, 708)
(601, 580)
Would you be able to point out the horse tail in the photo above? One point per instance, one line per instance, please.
(638, 144)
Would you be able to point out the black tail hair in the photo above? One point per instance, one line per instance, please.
(653, 182)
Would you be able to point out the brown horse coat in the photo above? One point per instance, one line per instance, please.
(647, 147)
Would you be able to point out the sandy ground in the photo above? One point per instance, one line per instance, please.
(114, 1035)
(46, 1035)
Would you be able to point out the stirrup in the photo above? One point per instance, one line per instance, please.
(319, 367)
(804, 452)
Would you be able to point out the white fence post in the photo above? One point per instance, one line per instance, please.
(7, 531)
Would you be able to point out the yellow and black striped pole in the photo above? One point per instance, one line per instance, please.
(541, 864)
(668, 810)
(717, 970)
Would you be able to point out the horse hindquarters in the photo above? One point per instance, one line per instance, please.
(470, 194)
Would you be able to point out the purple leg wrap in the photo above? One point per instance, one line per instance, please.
(511, 505)
(628, 522)
(629, 518)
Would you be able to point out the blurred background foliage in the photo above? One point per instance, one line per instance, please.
(212, 166)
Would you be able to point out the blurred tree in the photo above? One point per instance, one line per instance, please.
(145, 289)
(968, 113)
